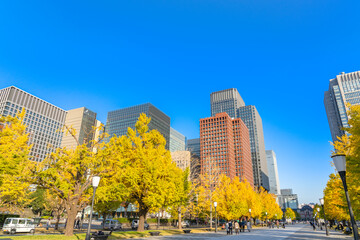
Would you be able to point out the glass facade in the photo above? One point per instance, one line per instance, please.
(343, 89)
(252, 120)
(177, 141)
(193, 145)
(44, 121)
(120, 120)
(226, 101)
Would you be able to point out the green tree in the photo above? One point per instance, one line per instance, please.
(14, 163)
(148, 174)
(38, 202)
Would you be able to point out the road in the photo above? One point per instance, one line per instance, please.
(291, 232)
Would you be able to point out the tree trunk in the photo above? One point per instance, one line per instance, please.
(142, 217)
(179, 218)
(57, 222)
(71, 215)
(211, 216)
(104, 218)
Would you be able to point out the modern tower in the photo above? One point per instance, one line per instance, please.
(177, 141)
(83, 121)
(253, 121)
(226, 101)
(225, 147)
(273, 172)
(120, 120)
(193, 145)
(343, 89)
(44, 121)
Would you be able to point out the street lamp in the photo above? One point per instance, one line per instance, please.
(250, 214)
(340, 164)
(215, 205)
(266, 221)
(322, 206)
(95, 184)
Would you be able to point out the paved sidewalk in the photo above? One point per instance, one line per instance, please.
(291, 232)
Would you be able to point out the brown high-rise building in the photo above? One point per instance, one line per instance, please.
(225, 145)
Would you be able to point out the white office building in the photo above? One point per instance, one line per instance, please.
(43, 120)
(273, 172)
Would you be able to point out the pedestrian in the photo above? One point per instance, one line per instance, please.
(237, 226)
(77, 223)
(230, 227)
(249, 225)
(48, 224)
(227, 228)
(243, 224)
(277, 224)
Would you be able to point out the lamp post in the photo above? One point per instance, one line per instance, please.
(266, 218)
(250, 215)
(340, 165)
(215, 205)
(95, 184)
(322, 206)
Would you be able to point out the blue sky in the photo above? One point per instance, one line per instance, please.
(106, 55)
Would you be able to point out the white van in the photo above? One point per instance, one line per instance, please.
(14, 225)
(112, 224)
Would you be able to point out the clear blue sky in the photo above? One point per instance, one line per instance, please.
(105, 55)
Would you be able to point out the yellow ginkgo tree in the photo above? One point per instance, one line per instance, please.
(14, 163)
(148, 175)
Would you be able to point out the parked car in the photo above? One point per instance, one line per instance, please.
(184, 223)
(135, 224)
(111, 224)
(14, 225)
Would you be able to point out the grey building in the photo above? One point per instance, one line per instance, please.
(82, 120)
(288, 200)
(274, 182)
(343, 89)
(252, 120)
(120, 120)
(193, 145)
(177, 141)
(226, 101)
(43, 120)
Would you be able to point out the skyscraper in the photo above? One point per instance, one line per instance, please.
(82, 120)
(225, 146)
(120, 120)
(43, 120)
(226, 101)
(177, 141)
(343, 89)
(273, 172)
(193, 145)
(253, 121)
(230, 101)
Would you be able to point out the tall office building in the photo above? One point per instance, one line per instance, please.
(273, 172)
(193, 145)
(177, 141)
(225, 146)
(43, 120)
(82, 120)
(343, 89)
(226, 101)
(120, 120)
(253, 121)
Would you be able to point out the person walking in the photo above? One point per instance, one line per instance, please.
(227, 228)
(249, 225)
(48, 224)
(230, 227)
(277, 224)
(237, 226)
